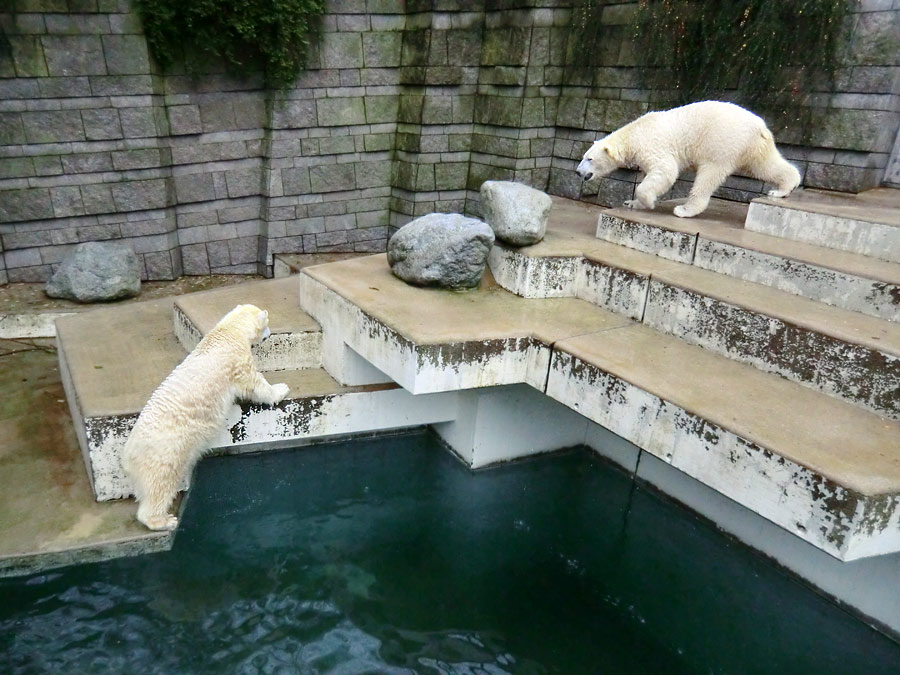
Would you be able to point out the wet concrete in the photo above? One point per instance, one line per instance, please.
(48, 516)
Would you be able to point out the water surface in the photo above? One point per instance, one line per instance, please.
(389, 556)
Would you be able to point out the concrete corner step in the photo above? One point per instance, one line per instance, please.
(296, 340)
(867, 223)
(112, 359)
(822, 469)
(717, 240)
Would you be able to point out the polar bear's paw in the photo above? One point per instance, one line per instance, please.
(280, 392)
(164, 522)
(633, 204)
(779, 193)
(686, 211)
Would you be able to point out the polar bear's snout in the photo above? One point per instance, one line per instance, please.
(584, 169)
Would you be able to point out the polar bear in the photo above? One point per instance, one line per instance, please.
(713, 138)
(189, 409)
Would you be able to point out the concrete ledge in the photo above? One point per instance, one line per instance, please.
(787, 463)
(867, 223)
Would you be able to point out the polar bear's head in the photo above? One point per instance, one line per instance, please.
(602, 158)
(248, 320)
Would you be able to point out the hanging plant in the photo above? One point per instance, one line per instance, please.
(268, 36)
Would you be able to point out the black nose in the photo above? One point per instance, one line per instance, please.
(587, 176)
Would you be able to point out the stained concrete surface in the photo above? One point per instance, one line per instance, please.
(48, 516)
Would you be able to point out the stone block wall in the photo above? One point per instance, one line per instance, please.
(405, 108)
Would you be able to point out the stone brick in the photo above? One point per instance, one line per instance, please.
(91, 162)
(218, 253)
(373, 174)
(437, 110)
(306, 226)
(341, 50)
(53, 126)
(243, 250)
(101, 124)
(243, 182)
(122, 24)
(140, 195)
(249, 112)
(184, 119)
(47, 165)
(382, 49)
(335, 145)
(28, 56)
(217, 115)
(143, 158)
(194, 187)
(64, 87)
(294, 114)
(138, 122)
(29, 204)
(158, 265)
(97, 199)
(295, 181)
(126, 54)
(12, 132)
(451, 176)
(66, 201)
(334, 112)
(16, 167)
(76, 24)
(194, 260)
(571, 112)
(121, 85)
(68, 55)
(378, 142)
(16, 88)
(332, 178)
(381, 109)
(863, 130)
(22, 258)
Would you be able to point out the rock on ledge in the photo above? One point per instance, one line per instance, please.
(517, 213)
(96, 271)
(441, 249)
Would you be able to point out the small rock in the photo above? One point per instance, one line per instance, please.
(441, 249)
(96, 271)
(517, 213)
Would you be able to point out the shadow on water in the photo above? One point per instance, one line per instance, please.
(389, 556)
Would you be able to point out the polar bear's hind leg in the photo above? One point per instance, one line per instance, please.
(156, 492)
(709, 178)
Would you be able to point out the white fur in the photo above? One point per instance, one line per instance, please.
(713, 138)
(189, 409)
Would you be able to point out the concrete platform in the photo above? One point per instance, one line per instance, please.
(295, 342)
(845, 354)
(867, 223)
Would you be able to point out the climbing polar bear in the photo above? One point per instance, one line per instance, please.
(713, 138)
(189, 409)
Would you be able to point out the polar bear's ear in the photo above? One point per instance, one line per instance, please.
(263, 317)
(614, 153)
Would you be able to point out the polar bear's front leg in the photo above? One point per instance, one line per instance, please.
(266, 393)
(656, 183)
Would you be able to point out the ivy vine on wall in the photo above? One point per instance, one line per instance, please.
(268, 36)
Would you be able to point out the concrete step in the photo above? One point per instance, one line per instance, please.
(867, 223)
(295, 342)
(842, 353)
(717, 240)
(112, 359)
(825, 470)
(818, 467)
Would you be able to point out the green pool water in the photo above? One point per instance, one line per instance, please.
(389, 556)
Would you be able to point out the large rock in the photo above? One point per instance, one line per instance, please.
(441, 249)
(96, 271)
(517, 213)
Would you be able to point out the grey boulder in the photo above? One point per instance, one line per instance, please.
(96, 271)
(441, 249)
(517, 213)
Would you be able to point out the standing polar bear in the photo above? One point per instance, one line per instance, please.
(189, 409)
(714, 138)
